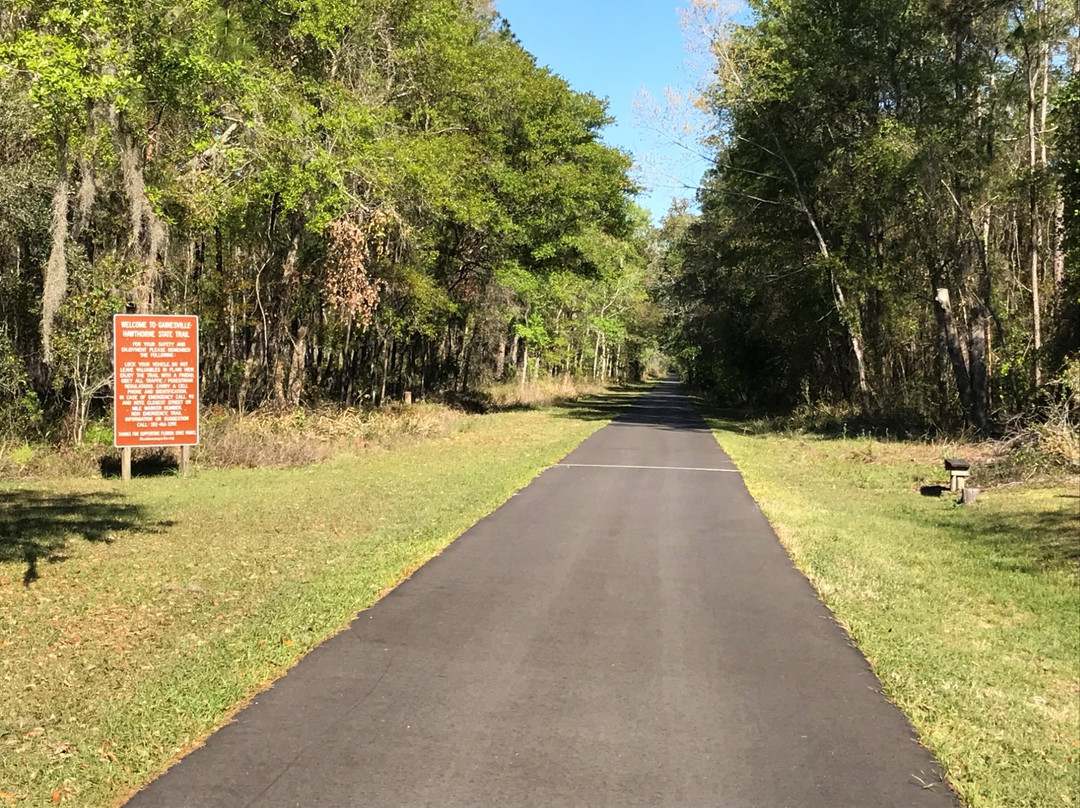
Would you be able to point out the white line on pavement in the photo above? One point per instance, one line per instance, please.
(656, 468)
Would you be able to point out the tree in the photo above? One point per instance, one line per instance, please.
(868, 190)
(335, 188)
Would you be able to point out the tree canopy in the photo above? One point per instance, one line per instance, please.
(890, 220)
(369, 197)
(357, 198)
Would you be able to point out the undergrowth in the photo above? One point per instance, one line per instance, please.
(261, 439)
(537, 394)
(283, 439)
(1037, 449)
(302, 437)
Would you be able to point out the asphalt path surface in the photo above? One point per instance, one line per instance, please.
(626, 631)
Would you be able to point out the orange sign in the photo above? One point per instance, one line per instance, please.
(155, 380)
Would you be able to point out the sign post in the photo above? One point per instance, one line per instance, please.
(155, 384)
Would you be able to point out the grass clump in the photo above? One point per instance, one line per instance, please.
(1034, 449)
(968, 614)
(302, 437)
(286, 439)
(543, 392)
(1034, 452)
(261, 439)
(133, 618)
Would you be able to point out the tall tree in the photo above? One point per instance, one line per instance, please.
(867, 161)
(336, 188)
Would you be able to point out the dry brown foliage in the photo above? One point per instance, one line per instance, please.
(358, 243)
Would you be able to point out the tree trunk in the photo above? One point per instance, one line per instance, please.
(278, 339)
(466, 367)
(147, 231)
(245, 381)
(55, 285)
(979, 364)
(296, 369)
(278, 376)
(385, 368)
(955, 349)
(344, 362)
(1044, 102)
(1059, 250)
(500, 360)
(852, 330)
(1033, 73)
(1036, 305)
(459, 380)
(1076, 42)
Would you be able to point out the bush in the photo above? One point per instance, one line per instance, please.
(542, 392)
(302, 437)
(21, 415)
(299, 437)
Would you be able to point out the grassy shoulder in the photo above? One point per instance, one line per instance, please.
(160, 605)
(968, 615)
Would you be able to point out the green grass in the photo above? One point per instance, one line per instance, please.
(167, 602)
(970, 616)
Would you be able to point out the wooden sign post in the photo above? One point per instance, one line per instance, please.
(155, 384)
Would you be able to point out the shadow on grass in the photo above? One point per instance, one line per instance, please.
(602, 406)
(591, 407)
(898, 425)
(36, 526)
(1029, 541)
(1022, 540)
(664, 405)
(153, 463)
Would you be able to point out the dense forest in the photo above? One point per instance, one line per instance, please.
(367, 197)
(891, 223)
(357, 198)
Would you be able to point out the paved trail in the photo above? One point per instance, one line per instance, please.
(626, 631)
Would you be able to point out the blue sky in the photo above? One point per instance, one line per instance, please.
(617, 49)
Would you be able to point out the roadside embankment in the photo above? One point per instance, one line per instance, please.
(968, 614)
(134, 618)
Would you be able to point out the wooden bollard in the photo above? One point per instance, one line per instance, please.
(408, 397)
(959, 470)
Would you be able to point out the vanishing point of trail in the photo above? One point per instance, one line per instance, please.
(626, 631)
